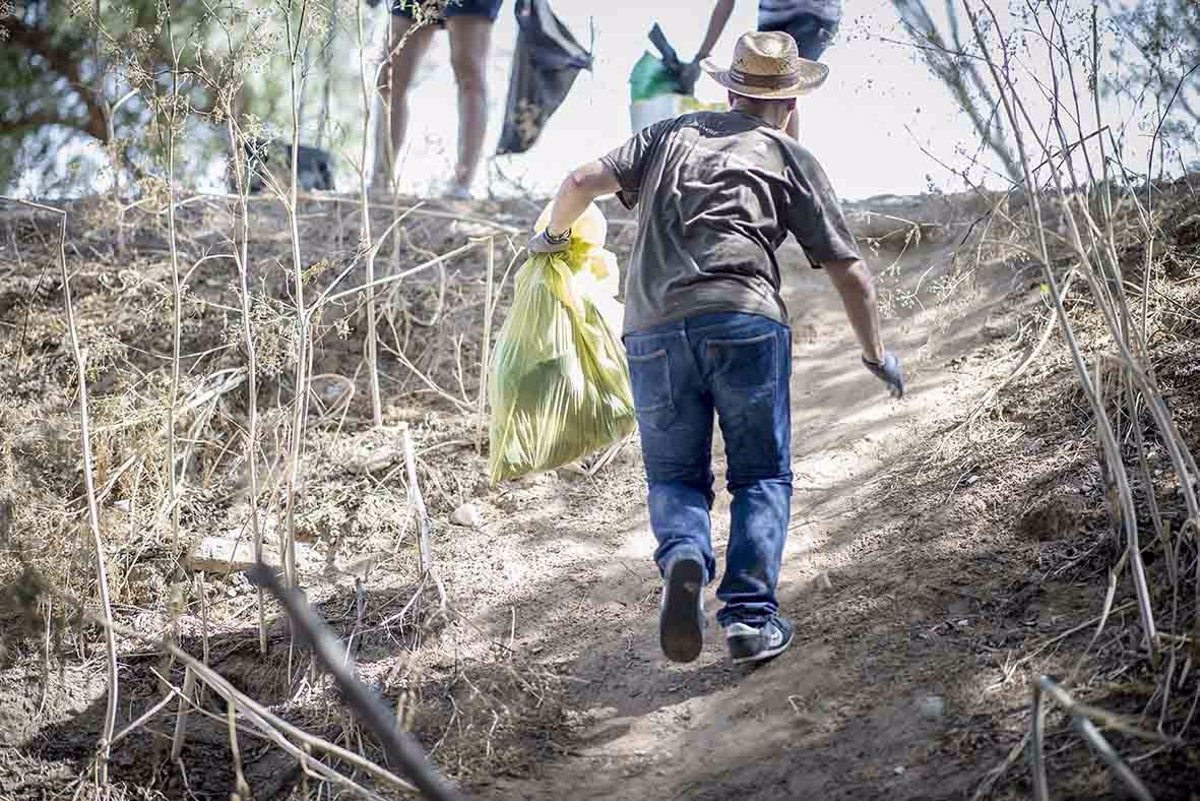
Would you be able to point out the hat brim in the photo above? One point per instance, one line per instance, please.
(810, 76)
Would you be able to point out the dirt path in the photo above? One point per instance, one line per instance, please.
(874, 687)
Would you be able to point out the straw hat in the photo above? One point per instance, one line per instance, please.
(767, 66)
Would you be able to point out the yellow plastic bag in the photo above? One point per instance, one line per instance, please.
(559, 379)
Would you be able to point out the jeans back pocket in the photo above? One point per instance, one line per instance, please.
(744, 364)
(650, 375)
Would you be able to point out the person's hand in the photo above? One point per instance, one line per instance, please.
(889, 372)
(545, 242)
(688, 75)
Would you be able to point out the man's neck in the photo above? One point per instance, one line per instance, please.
(769, 119)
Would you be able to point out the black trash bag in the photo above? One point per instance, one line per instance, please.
(545, 63)
(271, 162)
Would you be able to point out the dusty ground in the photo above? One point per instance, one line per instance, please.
(931, 567)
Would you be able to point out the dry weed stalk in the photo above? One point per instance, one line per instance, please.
(172, 122)
(365, 237)
(485, 350)
(93, 511)
(304, 332)
(424, 527)
(241, 250)
(1081, 718)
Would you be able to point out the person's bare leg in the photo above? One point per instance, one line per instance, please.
(394, 82)
(470, 40)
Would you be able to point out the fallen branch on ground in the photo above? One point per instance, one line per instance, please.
(400, 746)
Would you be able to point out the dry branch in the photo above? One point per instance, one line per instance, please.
(1045, 685)
(400, 746)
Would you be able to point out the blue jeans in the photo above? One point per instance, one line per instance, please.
(737, 366)
(812, 34)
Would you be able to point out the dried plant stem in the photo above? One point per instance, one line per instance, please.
(143, 718)
(303, 334)
(173, 477)
(365, 243)
(110, 712)
(243, 789)
(400, 747)
(181, 713)
(1012, 104)
(391, 279)
(424, 527)
(486, 347)
(242, 251)
(268, 723)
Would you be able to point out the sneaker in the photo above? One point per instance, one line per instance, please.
(749, 644)
(681, 618)
(458, 191)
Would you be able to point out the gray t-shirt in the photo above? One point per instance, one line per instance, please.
(720, 192)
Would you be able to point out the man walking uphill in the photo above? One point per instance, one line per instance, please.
(706, 329)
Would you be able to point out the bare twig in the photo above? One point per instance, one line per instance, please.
(269, 724)
(181, 713)
(486, 348)
(242, 251)
(417, 501)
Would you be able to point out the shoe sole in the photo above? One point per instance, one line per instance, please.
(763, 656)
(680, 623)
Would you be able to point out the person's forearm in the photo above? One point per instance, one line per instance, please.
(577, 190)
(858, 297)
(571, 200)
(716, 26)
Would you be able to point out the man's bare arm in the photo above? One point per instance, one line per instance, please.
(582, 186)
(716, 26)
(854, 284)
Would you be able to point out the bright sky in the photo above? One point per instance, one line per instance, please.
(855, 124)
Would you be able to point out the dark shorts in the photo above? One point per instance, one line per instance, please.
(454, 8)
(812, 33)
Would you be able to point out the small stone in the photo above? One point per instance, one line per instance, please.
(823, 581)
(898, 770)
(467, 515)
(931, 707)
(122, 505)
(377, 461)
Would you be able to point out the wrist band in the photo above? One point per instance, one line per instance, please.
(565, 236)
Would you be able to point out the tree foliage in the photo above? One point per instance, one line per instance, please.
(1159, 58)
(113, 73)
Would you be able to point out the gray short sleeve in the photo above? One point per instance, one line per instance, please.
(816, 219)
(628, 162)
